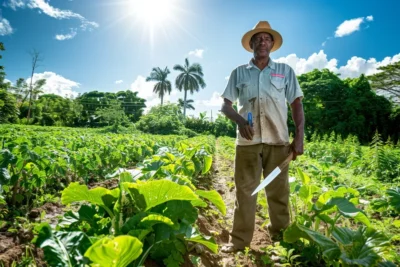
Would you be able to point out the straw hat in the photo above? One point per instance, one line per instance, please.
(262, 26)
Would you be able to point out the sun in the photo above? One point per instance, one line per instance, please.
(153, 13)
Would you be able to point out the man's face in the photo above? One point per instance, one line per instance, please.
(262, 44)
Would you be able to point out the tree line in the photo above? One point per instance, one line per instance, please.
(331, 104)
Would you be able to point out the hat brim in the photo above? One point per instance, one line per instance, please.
(276, 35)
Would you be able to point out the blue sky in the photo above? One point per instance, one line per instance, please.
(112, 45)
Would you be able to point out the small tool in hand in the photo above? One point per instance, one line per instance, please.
(250, 119)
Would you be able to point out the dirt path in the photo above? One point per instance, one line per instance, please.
(219, 226)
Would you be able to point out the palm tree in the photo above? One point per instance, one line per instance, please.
(188, 104)
(163, 85)
(190, 79)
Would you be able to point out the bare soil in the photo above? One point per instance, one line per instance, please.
(218, 226)
(16, 247)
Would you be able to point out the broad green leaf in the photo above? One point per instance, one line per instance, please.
(98, 196)
(306, 192)
(396, 223)
(133, 222)
(152, 193)
(343, 235)
(347, 209)
(208, 242)
(117, 252)
(186, 167)
(125, 177)
(182, 180)
(215, 198)
(394, 198)
(152, 219)
(305, 179)
(295, 231)
(362, 246)
(207, 164)
(178, 211)
(62, 248)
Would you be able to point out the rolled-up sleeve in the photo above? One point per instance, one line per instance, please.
(231, 91)
(293, 89)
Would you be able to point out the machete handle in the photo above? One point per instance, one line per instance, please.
(286, 161)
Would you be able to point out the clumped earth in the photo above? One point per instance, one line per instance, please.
(213, 224)
(16, 246)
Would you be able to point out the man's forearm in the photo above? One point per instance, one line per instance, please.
(231, 114)
(298, 118)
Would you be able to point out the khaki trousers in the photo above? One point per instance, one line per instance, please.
(250, 161)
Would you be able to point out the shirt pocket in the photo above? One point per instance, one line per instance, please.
(278, 83)
(278, 88)
(244, 91)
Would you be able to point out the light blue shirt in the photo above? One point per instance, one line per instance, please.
(265, 93)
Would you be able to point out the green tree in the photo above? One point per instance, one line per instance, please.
(113, 114)
(132, 104)
(8, 109)
(3, 85)
(224, 126)
(190, 79)
(21, 91)
(52, 110)
(166, 119)
(162, 86)
(188, 105)
(388, 80)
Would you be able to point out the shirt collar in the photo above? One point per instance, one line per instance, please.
(271, 64)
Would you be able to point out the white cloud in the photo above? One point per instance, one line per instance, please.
(353, 68)
(56, 84)
(62, 37)
(349, 26)
(214, 101)
(144, 89)
(5, 27)
(119, 82)
(46, 8)
(315, 61)
(357, 66)
(14, 4)
(197, 53)
(53, 12)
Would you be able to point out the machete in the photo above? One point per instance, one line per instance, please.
(273, 174)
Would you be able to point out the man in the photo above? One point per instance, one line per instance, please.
(262, 87)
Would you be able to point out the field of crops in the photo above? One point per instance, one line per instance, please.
(85, 197)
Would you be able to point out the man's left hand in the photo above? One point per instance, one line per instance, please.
(297, 147)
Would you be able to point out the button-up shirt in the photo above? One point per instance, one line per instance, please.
(264, 93)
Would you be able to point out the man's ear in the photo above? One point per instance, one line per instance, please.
(251, 45)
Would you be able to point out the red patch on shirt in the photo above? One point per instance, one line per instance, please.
(277, 75)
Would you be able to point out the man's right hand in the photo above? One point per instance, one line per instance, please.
(246, 131)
